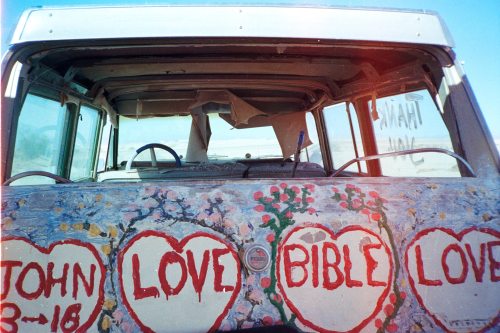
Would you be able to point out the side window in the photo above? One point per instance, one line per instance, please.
(84, 153)
(39, 138)
(313, 152)
(410, 121)
(344, 137)
(104, 147)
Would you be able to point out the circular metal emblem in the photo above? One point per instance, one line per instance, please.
(257, 258)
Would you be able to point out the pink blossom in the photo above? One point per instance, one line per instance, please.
(373, 194)
(266, 218)
(310, 187)
(289, 215)
(267, 321)
(256, 295)
(274, 189)
(356, 203)
(258, 195)
(298, 199)
(259, 208)
(309, 199)
(215, 217)
(126, 327)
(370, 203)
(243, 308)
(244, 230)
(343, 197)
(269, 200)
(283, 185)
(118, 315)
(149, 191)
(265, 282)
(276, 206)
(357, 190)
(376, 216)
(343, 204)
(277, 298)
(251, 279)
(171, 195)
(228, 223)
(336, 190)
(350, 186)
(284, 197)
(295, 189)
(270, 238)
(129, 216)
(311, 211)
(365, 211)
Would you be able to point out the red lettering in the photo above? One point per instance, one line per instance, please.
(139, 291)
(55, 318)
(198, 279)
(350, 283)
(371, 265)
(446, 268)
(71, 318)
(9, 320)
(51, 281)
(494, 265)
(315, 265)
(289, 264)
(219, 270)
(327, 283)
(7, 266)
(478, 270)
(88, 286)
(167, 259)
(22, 276)
(420, 270)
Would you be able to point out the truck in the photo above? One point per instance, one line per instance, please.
(244, 168)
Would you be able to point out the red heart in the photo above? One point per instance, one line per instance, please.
(45, 289)
(343, 292)
(455, 277)
(168, 284)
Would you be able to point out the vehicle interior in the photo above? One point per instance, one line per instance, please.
(212, 108)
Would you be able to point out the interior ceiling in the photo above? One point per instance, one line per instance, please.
(272, 77)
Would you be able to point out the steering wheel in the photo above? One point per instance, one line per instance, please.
(151, 148)
(57, 178)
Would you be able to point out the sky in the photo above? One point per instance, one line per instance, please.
(474, 25)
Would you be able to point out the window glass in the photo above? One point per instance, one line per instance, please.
(313, 152)
(105, 141)
(228, 142)
(410, 121)
(39, 138)
(170, 131)
(343, 145)
(85, 143)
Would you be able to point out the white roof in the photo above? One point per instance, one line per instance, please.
(77, 23)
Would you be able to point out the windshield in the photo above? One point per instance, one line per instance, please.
(226, 142)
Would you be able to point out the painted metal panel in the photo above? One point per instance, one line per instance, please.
(347, 255)
(154, 21)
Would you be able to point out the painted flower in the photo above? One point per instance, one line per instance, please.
(343, 197)
(310, 187)
(289, 215)
(106, 323)
(295, 189)
(94, 230)
(112, 231)
(283, 185)
(268, 200)
(266, 218)
(373, 194)
(389, 309)
(309, 199)
(265, 282)
(255, 296)
(343, 204)
(77, 226)
(270, 238)
(118, 315)
(277, 298)
(376, 216)
(259, 208)
(244, 230)
(274, 189)
(276, 206)
(64, 227)
(350, 186)
(392, 328)
(106, 249)
(298, 199)
(257, 195)
(108, 304)
(378, 323)
(267, 321)
(356, 203)
(365, 211)
(336, 190)
(126, 327)
(284, 197)
(311, 211)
